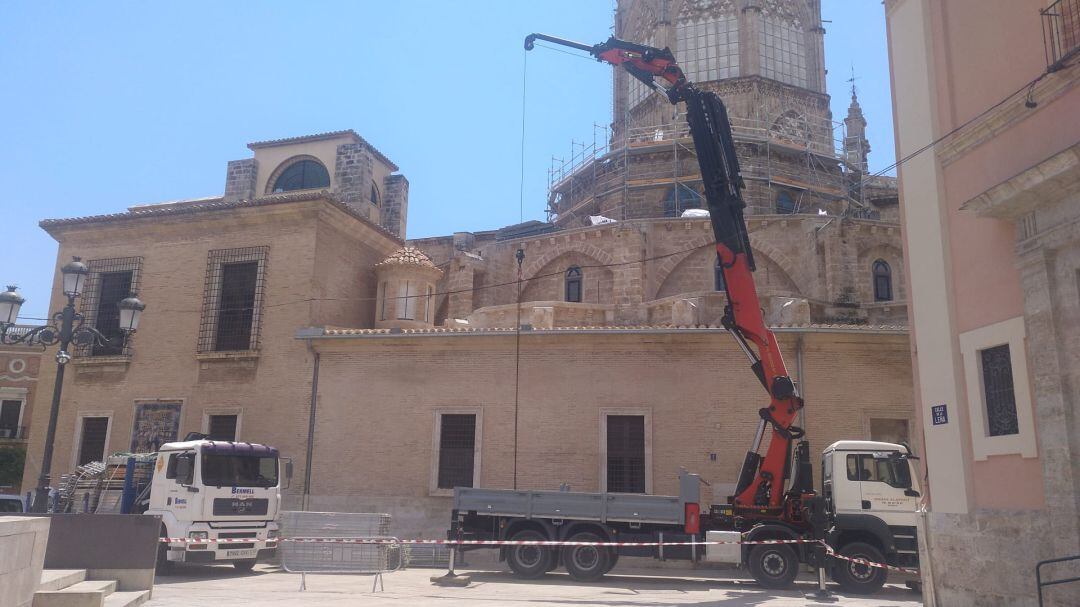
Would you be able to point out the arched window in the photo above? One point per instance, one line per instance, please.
(882, 281)
(718, 272)
(302, 175)
(687, 198)
(573, 284)
(784, 204)
(374, 195)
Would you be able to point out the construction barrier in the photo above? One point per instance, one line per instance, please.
(372, 552)
(492, 543)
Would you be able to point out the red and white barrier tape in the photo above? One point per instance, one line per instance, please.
(351, 540)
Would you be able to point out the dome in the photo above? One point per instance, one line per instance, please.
(408, 256)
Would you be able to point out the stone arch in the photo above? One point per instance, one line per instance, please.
(547, 282)
(533, 266)
(761, 247)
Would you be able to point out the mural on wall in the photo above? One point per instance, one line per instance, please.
(155, 424)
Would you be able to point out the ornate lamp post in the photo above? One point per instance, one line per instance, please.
(67, 327)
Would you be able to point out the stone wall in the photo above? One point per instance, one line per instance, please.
(395, 209)
(240, 179)
(353, 172)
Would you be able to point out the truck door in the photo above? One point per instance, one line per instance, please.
(179, 474)
(885, 486)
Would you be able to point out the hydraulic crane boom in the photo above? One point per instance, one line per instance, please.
(762, 479)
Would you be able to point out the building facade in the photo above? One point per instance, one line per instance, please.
(992, 247)
(289, 311)
(19, 369)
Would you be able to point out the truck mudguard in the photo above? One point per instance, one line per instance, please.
(866, 523)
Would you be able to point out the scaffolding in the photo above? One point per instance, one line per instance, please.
(601, 177)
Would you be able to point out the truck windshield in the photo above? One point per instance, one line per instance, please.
(239, 470)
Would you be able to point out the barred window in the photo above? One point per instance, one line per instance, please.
(109, 282)
(626, 453)
(708, 49)
(232, 299)
(783, 52)
(573, 284)
(999, 393)
(221, 427)
(882, 281)
(457, 450)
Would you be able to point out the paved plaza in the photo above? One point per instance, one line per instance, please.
(272, 587)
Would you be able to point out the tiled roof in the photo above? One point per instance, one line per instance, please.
(208, 205)
(407, 256)
(317, 332)
(322, 137)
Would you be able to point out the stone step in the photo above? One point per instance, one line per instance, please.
(82, 594)
(58, 579)
(127, 599)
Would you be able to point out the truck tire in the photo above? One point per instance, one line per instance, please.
(244, 565)
(857, 578)
(613, 559)
(163, 566)
(529, 562)
(773, 565)
(586, 563)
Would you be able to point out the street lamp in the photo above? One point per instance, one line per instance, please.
(67, 326)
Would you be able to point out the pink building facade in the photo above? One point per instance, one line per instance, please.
(991, 220)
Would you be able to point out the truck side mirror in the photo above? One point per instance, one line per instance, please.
(288, 472)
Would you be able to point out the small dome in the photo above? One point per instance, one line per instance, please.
(407, 256)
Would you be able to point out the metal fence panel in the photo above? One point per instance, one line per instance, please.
(319, 557)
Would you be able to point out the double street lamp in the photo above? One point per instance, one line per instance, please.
(67, 327)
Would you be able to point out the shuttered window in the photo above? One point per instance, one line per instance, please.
(457, 450)
(999, 392)
(626, 453)
(221, 427)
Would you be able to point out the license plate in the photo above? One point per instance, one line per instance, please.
(242, 554)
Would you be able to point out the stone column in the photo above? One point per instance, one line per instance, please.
(240, 179)
(353, 167)
(395, 204)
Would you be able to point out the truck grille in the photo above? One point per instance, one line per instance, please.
(231, 506)
(232, 535)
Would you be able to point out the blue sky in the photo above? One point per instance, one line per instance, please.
(106, 105)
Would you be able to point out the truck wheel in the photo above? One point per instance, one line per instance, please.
(613, 559)
(163, 566)
(586, 563)
(529, 562)
(857, 578)
(774, 565)
(244, 565)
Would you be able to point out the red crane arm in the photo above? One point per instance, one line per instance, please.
(761, 481)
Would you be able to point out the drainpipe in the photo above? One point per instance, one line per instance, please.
(311, 428)
(799, 372)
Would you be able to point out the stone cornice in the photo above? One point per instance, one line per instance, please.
(1048, 89)
(1048, 182)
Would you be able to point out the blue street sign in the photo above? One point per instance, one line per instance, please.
(939, 414)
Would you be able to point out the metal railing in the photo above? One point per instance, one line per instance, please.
(1038, 574)
(1061, 32)
(345, 557)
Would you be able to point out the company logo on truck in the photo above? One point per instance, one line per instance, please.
(243, 491)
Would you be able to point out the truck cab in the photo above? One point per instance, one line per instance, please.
(208, 490)
(872, 491)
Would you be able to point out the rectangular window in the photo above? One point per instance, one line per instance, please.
(998, 391)
(382, 302)
(95, 431)
(232, 299)
(221, 427)
(626, 453)
(783, 52)
(109, 282)
(457, 450)
(10, 416)
(407, 296)
(708, 50)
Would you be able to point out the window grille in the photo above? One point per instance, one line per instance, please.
(92, 444)
(1061, 32)
(457, 445)
(709, 49)
(882, 281)
(302, 175)
(232, 299)
(573, 284)
(998, 391)
(626, 453)
(109, 282)
(783, 52)
(221, 427)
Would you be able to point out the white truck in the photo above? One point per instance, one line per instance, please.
(870, 492)
(206, 490)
